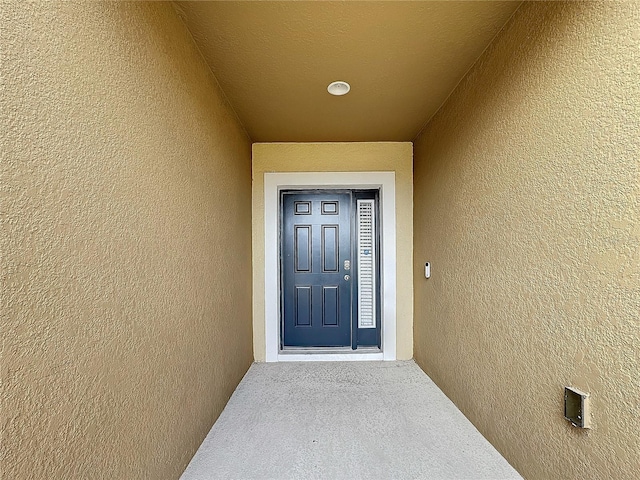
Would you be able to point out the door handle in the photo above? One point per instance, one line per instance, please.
(347, 265)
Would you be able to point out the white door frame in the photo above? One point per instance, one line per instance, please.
(273, 184)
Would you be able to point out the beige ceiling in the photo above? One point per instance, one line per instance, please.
(274, 61)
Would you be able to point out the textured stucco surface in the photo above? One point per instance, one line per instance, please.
(339, 157)
(527, 203)
(275, 59)
(343, 420)
(126, 244)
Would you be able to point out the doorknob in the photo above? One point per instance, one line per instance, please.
(347, 265)
(347, 277)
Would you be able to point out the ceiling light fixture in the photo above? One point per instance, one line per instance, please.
(338, 88)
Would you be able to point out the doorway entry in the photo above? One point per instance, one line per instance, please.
(329, 269)
(275, 183)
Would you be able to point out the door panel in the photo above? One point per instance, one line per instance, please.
(330, 249)
(303, 307)
(303, 248)
(330, 306)
(316, 295)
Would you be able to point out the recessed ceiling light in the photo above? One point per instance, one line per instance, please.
(338, 88)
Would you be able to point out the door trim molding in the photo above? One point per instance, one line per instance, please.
(273, 183)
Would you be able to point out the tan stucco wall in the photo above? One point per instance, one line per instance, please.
(527, 203)
(339, 157)
(125, 241)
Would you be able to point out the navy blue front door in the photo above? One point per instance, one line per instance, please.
(316, 269)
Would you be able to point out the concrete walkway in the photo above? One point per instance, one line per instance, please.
(343, 420)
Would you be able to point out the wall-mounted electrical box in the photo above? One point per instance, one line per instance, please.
(576, 407)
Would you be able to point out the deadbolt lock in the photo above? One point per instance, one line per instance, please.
(347, 277)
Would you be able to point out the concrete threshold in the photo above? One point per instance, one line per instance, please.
(343, 420)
